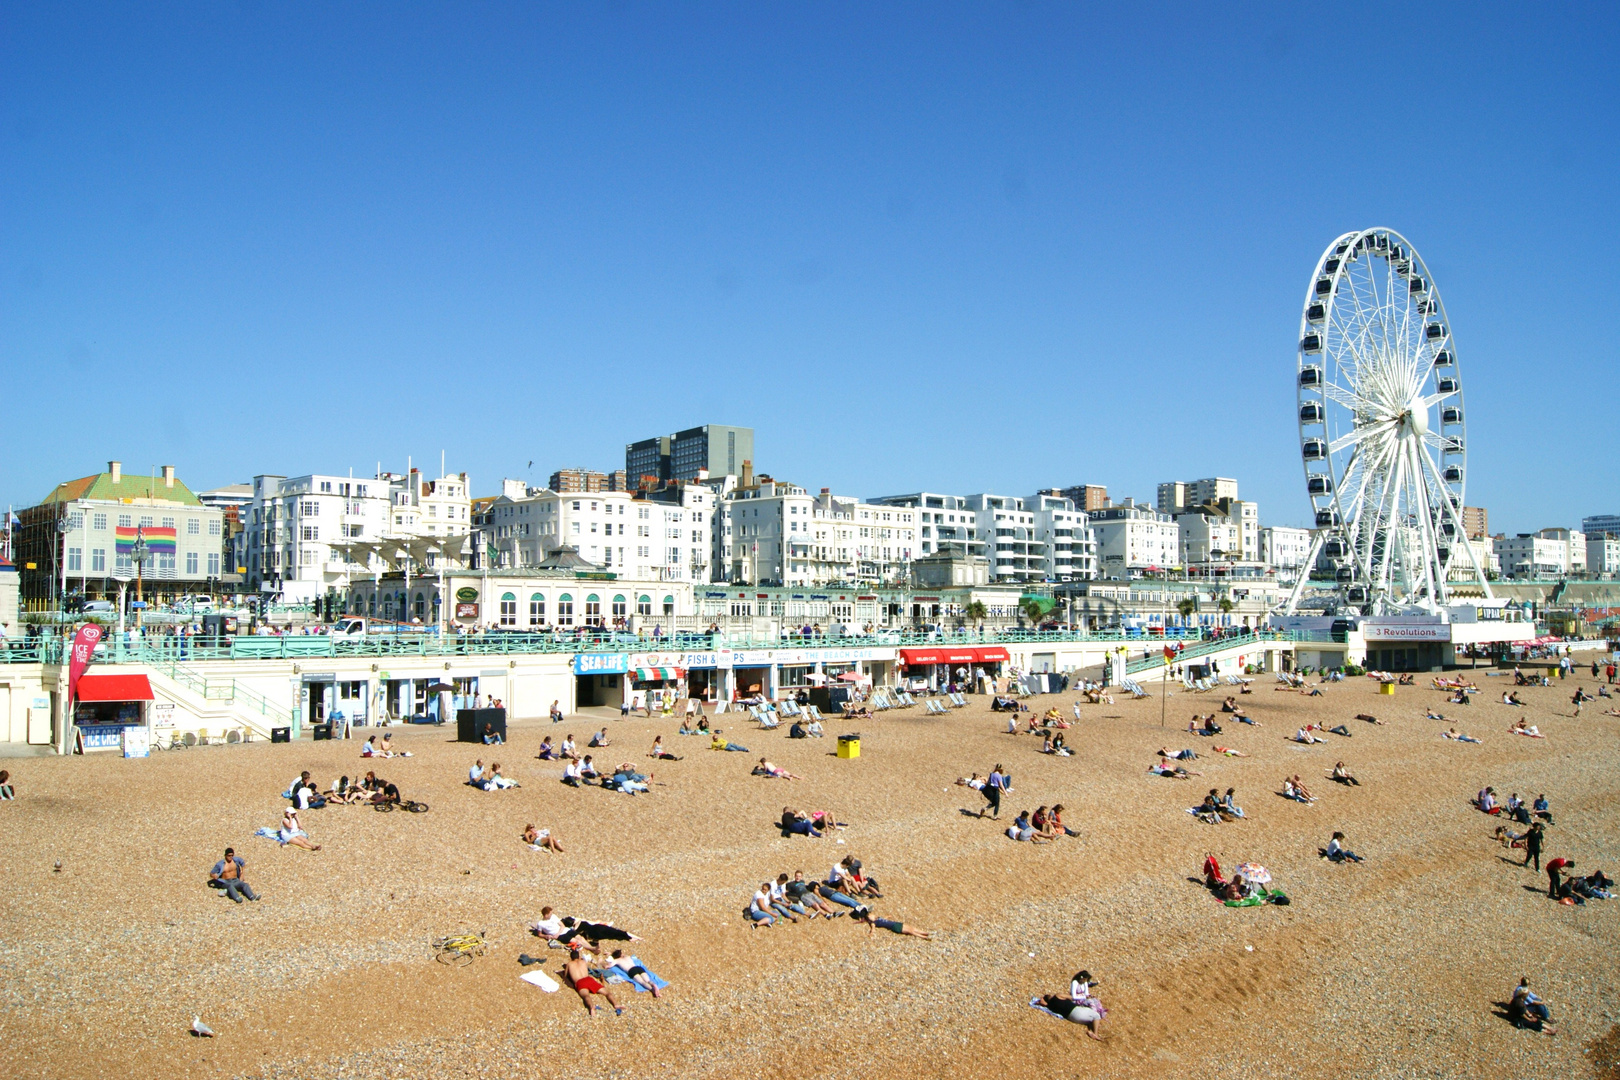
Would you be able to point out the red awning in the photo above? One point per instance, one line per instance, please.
(114, 688)
(961, 655)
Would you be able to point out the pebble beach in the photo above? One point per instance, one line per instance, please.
(1387, 968)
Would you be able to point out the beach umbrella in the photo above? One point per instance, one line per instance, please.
(1253, 872)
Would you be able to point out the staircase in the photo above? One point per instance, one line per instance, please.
(217, 704)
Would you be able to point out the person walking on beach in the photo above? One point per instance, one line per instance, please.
(993, 787)
(1532, 845)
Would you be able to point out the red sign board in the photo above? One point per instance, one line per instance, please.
(466, 611)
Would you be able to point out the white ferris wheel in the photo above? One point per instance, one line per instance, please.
(1381, 429)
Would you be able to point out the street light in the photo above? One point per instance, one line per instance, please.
(138, 555)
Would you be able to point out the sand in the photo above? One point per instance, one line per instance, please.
(1387, 968)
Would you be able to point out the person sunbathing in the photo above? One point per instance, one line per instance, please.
(970, 781)
(626, 779)
(1229, 752)
(721, 743)
(634, 971)
(494, 781)
(541, 839)
(659, 752)
(1459, 698)
(1209, 810)
(1406, 680)
(894, 926)
(1530, 730)
(1177, 772)
(599, 740)
(1371, 719)
(1294, 789)
(1511, 698)
(774, 771)
(1179, 755)
(794, 823)
(1343, 776)
(1303, 735)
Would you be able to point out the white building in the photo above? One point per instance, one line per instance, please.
(1180, 495)
(1575, 545)
(1205, 538)
(1284, 549)
(1133, 537)
(294, 529)
(1065, 530)
(941, 519)
(766, 534)
(1484, 551)
(1603, 554)
(854, 541)
(654, 538)
(1532, 556)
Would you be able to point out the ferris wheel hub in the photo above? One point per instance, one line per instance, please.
(1416, 418)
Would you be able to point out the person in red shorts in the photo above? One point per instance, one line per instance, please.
(585, 984)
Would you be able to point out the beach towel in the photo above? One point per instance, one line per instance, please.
(613, 973)
(542, 980)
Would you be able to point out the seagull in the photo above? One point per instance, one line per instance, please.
(200, 1029)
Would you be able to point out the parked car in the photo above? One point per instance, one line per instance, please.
(104, 607)
(194, 603)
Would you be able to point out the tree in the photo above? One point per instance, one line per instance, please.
(1032, 609)
(1187, 607)
(1226, 605)
(976, 612)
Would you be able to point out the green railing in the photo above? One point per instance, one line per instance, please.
(1155, 660)
(167, 650)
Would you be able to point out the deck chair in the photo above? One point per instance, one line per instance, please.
(934, 707)
(815, 713)
(959, 701)
(768, 720)
(906, 699)
(1134, 687)
(789, 709)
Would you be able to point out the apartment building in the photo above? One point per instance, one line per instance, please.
(86, 533)
(571, 481)
(706, 450)
(1476, 522)
(1603, 554)
(1065, 529)
(941, 520)
(1535, 555)
(766, 534)
(1176, 496)
(1284, 549)
(662, 538)
(1132, 537)
(1086, 497)
(1599, 524)
(1206, 538)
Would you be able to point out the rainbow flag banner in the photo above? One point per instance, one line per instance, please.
(158, 541)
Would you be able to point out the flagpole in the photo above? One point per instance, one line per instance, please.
(1164, 690)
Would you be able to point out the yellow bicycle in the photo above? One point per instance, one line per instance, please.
(458, 950)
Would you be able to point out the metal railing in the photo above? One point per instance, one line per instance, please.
(1155, 659)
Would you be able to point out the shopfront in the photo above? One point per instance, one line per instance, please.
(601, 679)
(106, 706)
(969, 667)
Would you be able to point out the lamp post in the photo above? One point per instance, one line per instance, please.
(138, 555)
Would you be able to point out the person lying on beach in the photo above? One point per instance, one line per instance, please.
(774, 771)
(1343, 776)
(893, 926)
(583, 930)
(721, 743)
(626, 779)
(1294, 789)
(1337, 852)
(1164, 768)
(578, 974)
(1179, 755)
(1304, 735)
(1371, 719)
(1023, 829)
(659, 752)
(1530, 730)
(633, 971)
(1229, 752)
(970, 781)
(541, 839)
(1453, 733)
(1208, 811)
(794, 823)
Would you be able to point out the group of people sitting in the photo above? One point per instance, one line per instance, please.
(1040, 827)
(1570, 888)
(1217, 808)
(1240, 890)
(563, 751)
(383, 747)
(1515, 807)
(689, 728)
(1231, 706)
(1003, 703)
(1203, 725)
(489, 778)
(812, 729)
(1294, 788)
(789, 898)
(624, 777)
(1078, 1006)
(813, 823)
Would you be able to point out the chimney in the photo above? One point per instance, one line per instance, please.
(116, 468)
(747, 474)
(168, 476)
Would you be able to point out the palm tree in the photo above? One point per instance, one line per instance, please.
(1187, 607)
(976, 612)
(1226, 605)
(1032, 609)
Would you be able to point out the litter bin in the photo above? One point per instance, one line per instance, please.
(281, 734)
(849, 746)
(1387, 689)
(323, 731)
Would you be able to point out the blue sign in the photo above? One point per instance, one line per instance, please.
(601, 663)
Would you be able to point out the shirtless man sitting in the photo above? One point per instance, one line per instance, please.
(585, 984)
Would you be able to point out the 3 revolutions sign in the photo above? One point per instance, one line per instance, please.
(1392, 630)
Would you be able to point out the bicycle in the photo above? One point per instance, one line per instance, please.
(459, 949)
(410, 806)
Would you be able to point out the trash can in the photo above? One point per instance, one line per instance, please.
(849, 746)
(281, 734)
(1387, 689)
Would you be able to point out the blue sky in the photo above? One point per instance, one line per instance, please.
(960, 248)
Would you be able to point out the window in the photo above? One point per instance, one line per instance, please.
(146, 521)
(575, 525)
(565, 610)
(165, 562)
(508, 609)
(669, 605)
(191, 563)
(421, 607)
(213, 564)
(213, 528)
(310, 532)
(193, 527)
(76, 520)
(99, 521)
(75, 560)
(641, 512)
(326, 485)
(98, 560)
(124, 521)
(641, 552)
(305, 558)
(593, 610)
(619, 607)
(168, 523)
(123, 562)
(537, 609)
(643, 604)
